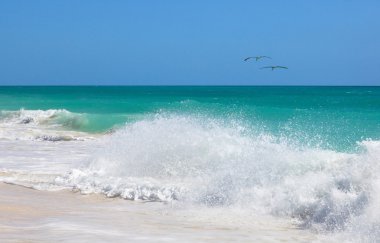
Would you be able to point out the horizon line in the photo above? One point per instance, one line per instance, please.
(186, 85)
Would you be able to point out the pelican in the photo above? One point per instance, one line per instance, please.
(275, 67)
(257, 58)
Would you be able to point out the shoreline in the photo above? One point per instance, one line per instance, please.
(28, 215)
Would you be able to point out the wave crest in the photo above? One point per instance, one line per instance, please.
(60, 117)
(43, 125)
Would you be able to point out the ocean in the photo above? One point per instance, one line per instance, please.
(307, 156)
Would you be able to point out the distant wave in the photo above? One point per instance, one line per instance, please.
(205, 162)
(59, 117)
(42, 125)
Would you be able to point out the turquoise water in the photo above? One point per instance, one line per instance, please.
(308, 155)
(328, 117)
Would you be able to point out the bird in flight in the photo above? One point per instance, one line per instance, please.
(275, 67)
(257, 58)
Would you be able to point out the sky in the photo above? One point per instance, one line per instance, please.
(197, 42)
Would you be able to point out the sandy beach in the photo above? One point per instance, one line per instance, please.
(28, 215)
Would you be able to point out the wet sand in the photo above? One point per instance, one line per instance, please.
(28, 215)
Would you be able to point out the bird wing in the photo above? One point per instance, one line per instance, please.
(246, 59)
(282, 67)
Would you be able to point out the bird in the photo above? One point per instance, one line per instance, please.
(257, 58)
(275, 67)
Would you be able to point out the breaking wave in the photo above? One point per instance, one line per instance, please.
(205, 162)
(43, 125)
(50, 117)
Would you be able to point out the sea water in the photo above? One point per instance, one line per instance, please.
(309, 156)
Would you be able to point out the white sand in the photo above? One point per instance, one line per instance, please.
(28, 215)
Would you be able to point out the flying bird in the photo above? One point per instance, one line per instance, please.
(257, 58)
(275, 67)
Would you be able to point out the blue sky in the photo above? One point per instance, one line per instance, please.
(199, 42)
